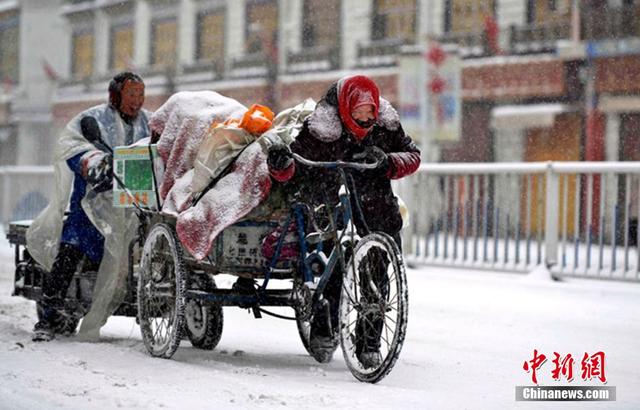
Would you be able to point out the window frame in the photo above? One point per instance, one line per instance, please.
(303, 25)
(80, 32)
(553, 10)
(378, 19)
(450, 16)
(155, 20)
(10, 20)
(247, 28)
(112, 30)
(201, 14)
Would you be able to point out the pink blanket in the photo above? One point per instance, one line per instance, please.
(232, 198)
(182, 122)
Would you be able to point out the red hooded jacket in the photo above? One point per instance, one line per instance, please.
(328, 136)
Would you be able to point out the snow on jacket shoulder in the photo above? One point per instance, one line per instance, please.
(325, 125)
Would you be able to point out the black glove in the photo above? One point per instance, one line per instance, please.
(371, 155)
(99, 171)
(279, 157)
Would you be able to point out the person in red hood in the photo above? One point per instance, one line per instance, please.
(350, 123)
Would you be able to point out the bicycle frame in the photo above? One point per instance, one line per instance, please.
(347, 236)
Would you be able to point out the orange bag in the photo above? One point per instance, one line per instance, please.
(257, 119)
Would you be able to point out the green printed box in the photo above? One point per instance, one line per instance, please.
(133, 165)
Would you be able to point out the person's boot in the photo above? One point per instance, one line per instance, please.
(321, 340)
(43, 332)
(369, 360)
(49, 318)
(67, 326)
(368, 333)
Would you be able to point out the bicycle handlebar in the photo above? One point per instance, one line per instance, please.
(336, 164)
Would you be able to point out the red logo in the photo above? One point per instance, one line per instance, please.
(563, 367)
(534, 364)
(592, 366)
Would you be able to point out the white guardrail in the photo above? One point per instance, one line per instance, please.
(576, 218)
(24, 191)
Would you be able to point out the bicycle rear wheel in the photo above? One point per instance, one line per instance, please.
(373, 308)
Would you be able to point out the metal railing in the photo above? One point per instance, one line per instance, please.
(576, 218)
(471, 43)
(24, 191)
(610, 22)
(538, 38)
(381, 52)
(249, 65)
(319, 58)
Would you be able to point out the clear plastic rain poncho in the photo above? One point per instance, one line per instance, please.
(117, 225)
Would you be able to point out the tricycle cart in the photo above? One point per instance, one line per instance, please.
(173, 294)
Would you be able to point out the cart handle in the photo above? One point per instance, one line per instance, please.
(336, 164)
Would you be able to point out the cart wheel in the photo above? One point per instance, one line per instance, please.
(204, 322)
(161, 292)
(373, 308)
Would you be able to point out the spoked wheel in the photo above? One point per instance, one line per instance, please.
(161, 292)
(204, 322)
(373, 308)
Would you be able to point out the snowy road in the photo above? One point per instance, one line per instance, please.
(469, 334)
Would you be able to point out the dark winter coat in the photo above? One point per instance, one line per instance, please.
(324, 138)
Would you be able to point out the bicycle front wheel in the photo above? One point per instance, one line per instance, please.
(373, 308)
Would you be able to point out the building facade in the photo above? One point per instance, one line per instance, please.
(32, 38)
(541, 80)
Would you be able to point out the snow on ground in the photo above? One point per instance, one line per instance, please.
(469, 334)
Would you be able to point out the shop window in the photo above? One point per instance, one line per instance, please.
(320, 23)
(121, 47)
(210, 41)
(464, 16)
(9, 47)
(262, 24)
(163, 43)
(82, 54)
(394, 20)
